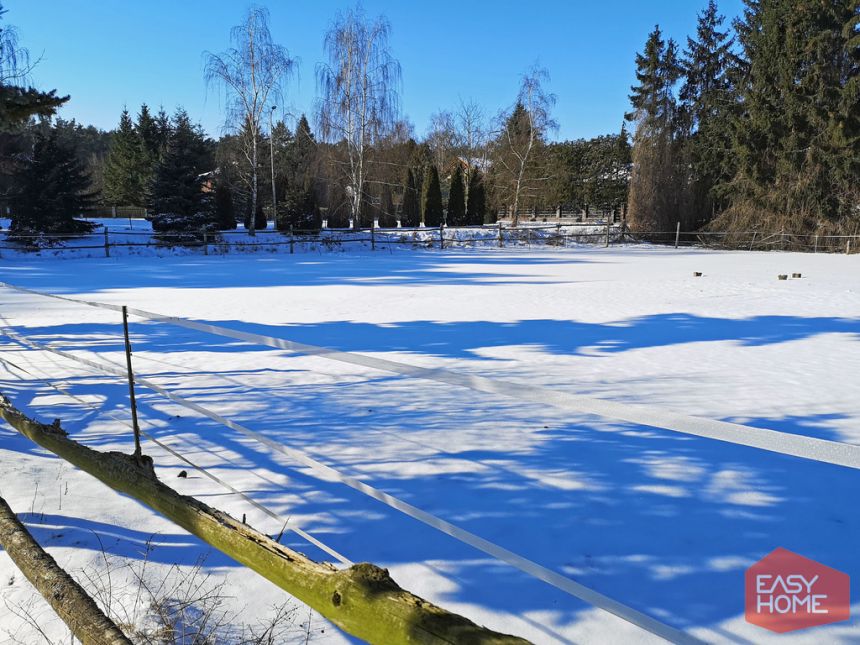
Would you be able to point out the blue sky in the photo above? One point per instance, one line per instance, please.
(110, 53)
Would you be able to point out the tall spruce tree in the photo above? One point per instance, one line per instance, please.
(476, 205)
(53, 189)
(410, 210)
(457, 198)
(431, 198)
(797, 141)
(709, 103)
(127, 169)
(658, 186)
(299, 178)
(177, 196)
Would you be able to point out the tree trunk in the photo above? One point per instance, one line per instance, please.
(252, 227)
(80, 612)
(362, 600)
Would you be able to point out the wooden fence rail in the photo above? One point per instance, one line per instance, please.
(363, 600)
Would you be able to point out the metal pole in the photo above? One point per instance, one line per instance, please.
(272, 159)
(137, 451)
(677, 234)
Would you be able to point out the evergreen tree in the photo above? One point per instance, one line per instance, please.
(177, 196)
(18, 104)
(457, 198)
(126, 171)
(658, 186)
(709, 102)
(410, 211)
(148, 130)
(162, 132)
(797, 139)
(295, 169)
(431, 198)
(53, 189)
(476, 206)
(225, 211)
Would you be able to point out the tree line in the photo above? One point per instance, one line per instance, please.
(753, 124)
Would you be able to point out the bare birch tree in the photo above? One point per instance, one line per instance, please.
(472, 138)
(359, 96)
(517, 150)
(252, 73)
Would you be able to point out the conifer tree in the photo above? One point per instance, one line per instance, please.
(797, 142)
(410, 211)
(658, 186)
(709, 103)
(225, 211)
(125, 173)
(457, 198)
(18, 103)
(476, 206)
(53, 189)
(147, 129)
(177, 197)
(431, 198)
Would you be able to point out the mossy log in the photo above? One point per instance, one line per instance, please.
(363, 600)
(80, 612)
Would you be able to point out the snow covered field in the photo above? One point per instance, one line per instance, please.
(660, 521)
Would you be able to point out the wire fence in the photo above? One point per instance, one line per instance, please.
(811, 448)
(500, 235)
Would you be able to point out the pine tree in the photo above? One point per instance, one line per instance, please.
(162, 132)
(295, 157)
(177, 197)
(476, 206)
(126, 172)
(53, 189)
(410, 211)
(19, 104)
(225, 211)
(457, 198)
(709, 102)
(797, 141)
(658, 186)
(148, 130)
(431, 198)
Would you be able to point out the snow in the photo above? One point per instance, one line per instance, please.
(663, 522)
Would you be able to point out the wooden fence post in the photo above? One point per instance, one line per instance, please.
(373, 235)
(107, 244)
(135, 426)
(677, 234)
(607, 232)
(441, 236)
(501, 244)
(815, 247)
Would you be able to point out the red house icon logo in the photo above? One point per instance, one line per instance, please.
(786, 592)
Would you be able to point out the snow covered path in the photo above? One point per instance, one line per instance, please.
(662, 522)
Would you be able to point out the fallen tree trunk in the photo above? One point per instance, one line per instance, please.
(363, 600)
(80, 612)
